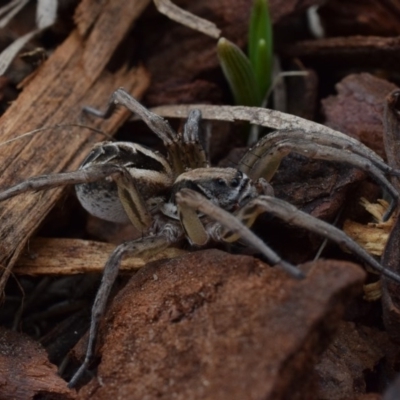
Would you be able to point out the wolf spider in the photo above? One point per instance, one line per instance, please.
(180, 197)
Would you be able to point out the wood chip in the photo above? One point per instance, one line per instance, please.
(48, 256)
(26, 372)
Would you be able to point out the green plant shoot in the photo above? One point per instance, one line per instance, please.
(250, 77)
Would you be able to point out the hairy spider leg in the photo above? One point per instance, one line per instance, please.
(156, 123)
(188, 199)
(185, 151)
(132, 201)
(130, 197)
(265, 159)
(192, 139)
(292, 215)
(138, 247)
(42, 182)
(324, 138)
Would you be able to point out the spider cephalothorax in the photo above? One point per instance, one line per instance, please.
(228, 188)
(179, 196)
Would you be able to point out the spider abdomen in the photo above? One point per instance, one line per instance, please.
(101, 200)
(149, 170)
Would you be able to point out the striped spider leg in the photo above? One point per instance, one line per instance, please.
(184, 150)
(264, 158)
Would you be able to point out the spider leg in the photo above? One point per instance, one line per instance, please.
(337, 141)
(270, 156)
(191, 223)
(293, 215)
(130, 197)
(139, 248)
(132, 201)
(192, 139)
(185, 151)
(188, 199)
(42, 182)
(156, 123)
(189, 153)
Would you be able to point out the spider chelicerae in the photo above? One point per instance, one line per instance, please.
(181, 198)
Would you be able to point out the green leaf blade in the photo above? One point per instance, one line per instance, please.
(239, 74)
(260, 44)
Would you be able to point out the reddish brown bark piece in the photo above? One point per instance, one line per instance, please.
(26, 372)
(71, 78)
(353, 352)
(357, 109)
(212, 325)
(316, 187)
(367, 17)
(362, 51)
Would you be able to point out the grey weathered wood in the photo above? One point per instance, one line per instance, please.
(73, 76)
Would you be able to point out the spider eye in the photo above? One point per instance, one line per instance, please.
(235, 182)
(220, 182)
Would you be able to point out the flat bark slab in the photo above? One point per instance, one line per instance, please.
(211, 325)
(357, 109)
(371, 51)
(72, 77)
(26, 371)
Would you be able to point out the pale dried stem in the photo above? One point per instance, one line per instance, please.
(186, 18)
